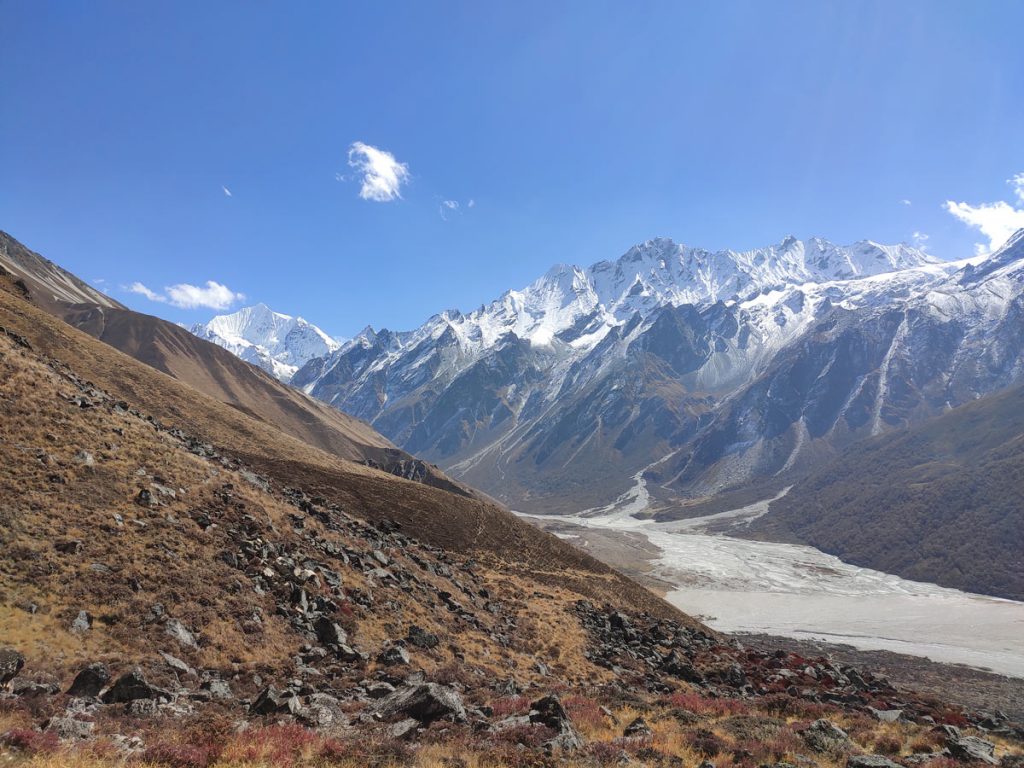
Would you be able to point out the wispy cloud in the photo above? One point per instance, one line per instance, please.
(446, 207)
(382, 175)
(139, 288)
(186, 296)
(227, 192)
(904, 201)
(996, 221)
(920, 241)
(449, 207)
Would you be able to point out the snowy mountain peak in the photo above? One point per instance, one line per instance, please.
(279, 344)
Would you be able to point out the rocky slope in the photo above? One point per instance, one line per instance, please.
(185, 592)
(279, 344)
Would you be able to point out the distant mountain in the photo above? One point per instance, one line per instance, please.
(942, 502)
(279, 344)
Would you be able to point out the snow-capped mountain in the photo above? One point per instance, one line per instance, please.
(279, 344)
(705, 370)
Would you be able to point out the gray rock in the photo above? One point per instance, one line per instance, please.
(68, 728)
(870, 761)
(970, 748)
(174, 628)
(404, 729)
(11, 663)
(425, 703)
(548, 711)
(177, 664)
(638, 728)
(219, 689)
(886, 715)
(90, 681)
(825, 736)
(329, 632)
(274, 702)
(82, 623)
(395, 655)
(420, 638)
(131, 686)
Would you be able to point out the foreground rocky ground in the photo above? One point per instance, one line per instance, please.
(162, 603)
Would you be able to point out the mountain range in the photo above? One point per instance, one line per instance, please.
(707, 370)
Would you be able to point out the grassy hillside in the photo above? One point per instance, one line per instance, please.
(943, 502)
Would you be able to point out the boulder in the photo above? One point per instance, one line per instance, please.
(11, 663)
(218, 689)
(329, 632)
(90, 681)
(425, 703)
(870, 761)
(548, 711)
(886, 715)
(176, 629)
(274, 702)
(826, 736)
(131, 686)
(395, 655)
(971, 748)
(177, 664)
(638, 729)
(420, 638)
(68, 728)
(82, 623)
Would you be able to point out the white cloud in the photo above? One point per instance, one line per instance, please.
(471, 203)
(213, 295)
(185, 296)
(906, 202)
(139, 288)
(227, 192)
(382, 175)
(996, 221)
(920, 241)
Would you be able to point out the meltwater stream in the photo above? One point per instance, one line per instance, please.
(737, 585)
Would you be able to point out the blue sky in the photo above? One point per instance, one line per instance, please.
(575, 128)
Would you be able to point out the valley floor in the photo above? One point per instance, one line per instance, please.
(740, 585)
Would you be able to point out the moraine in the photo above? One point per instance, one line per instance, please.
(738, 585)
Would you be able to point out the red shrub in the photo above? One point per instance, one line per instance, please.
(510, 705)
(30, 741)
(584, 711)
(180, 755)
(278, 744)
(700, 705)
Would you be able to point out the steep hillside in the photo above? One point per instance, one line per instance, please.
(942, 502)
(456, 520)
(206, 367)
(50, 285)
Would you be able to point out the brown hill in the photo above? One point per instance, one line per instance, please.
(455, 521)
